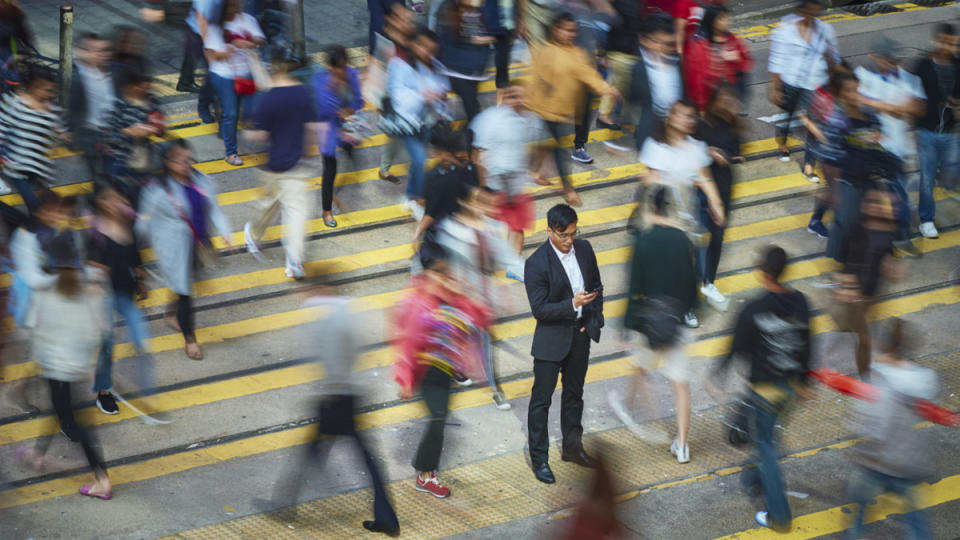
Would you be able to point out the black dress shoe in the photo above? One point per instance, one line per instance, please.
(389, 530)
(604, 125)
(543, 473)
(580, 457)
(190, 88)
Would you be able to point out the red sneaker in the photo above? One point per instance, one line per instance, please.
(432, 486)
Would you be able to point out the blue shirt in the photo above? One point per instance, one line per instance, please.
(210, 9)
(282, 112)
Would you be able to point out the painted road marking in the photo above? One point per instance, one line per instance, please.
(260, 444)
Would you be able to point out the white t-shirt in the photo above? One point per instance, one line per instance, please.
(236, 65)
(678, 168)
(895, 90)
(505, 135)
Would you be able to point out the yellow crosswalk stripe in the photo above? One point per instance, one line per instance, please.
(157, 467)
(839, 518)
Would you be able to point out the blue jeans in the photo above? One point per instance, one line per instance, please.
(230, 104)
(126, 307)
(846, 213)
(866, 484)
(937, 151)
(898, 186)
(767, 472)
(417, 148)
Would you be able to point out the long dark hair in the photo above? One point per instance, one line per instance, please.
(710, 17)
(722, 89)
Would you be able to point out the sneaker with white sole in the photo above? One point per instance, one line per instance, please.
(682, 453)
(784, 156)
(761, 519)
(691, 320)
(414, 208)
(463, 381)
(432, 486)
(580, 155)
(107, 404)
(252, 247)
(715, 297)
(295, 271)
(818, 228)
(929, 230)
(501, 402)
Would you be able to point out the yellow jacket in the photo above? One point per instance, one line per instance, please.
(559, 75)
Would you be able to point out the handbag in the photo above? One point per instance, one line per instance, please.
(244, 86)
(659, 319)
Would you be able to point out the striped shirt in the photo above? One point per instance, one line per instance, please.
(26, 137)
(124, 115)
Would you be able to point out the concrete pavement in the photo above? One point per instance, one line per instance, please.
(240, 415)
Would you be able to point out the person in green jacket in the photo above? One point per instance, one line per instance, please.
(663, 286)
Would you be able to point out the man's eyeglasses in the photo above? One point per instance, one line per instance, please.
(567, 236)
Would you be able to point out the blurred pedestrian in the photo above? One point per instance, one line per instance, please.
(772, 334)
(535, 19)
(826, 122)
(396, 40)
(31, 123)
(655, 82)
(338, 98)
(802, 52)
(937, 141)
(721, 129)
(379, 12)
(202, 13)
(596, 517)
(66, 322)
(335, 338)
(465, 50)
(476, 250)
(226, 45)
(134, 118)
(501, 20)
(129, 49)
(93, 91)
(894, 456)
(179, 213)
(663, 287)
(680, 162)
(287, 117)
(417, 94)
(504, 134)
(870, 260)
(560, 71)
(563, 286)
(114, 249)
(436, 336)
(449, 177)
(714, 55)
(897, 97)
(620, 55)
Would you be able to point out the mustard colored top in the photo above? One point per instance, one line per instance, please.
(558, 78)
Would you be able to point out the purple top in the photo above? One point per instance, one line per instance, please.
(329, 102)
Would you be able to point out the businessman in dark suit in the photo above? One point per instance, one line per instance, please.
(566, 298)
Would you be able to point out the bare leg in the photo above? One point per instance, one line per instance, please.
(516, 241)
(681, 392)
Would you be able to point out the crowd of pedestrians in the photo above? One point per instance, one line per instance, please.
(672, 72)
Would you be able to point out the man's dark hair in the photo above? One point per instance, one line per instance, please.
(336, 56)
(944, 29)
(562, 17)
(561, 216)
(774, 261)
(805, 3)
(657, 23)
(443, 137)
(35, 72)
(463, 140)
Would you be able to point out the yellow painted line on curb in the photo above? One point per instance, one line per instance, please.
(157, 467)
(840, 518)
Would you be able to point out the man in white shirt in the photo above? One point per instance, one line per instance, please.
(802, 51)
(504, 134)
(566, 297)
(898, 98)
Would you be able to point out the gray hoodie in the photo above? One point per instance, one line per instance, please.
(892, 446)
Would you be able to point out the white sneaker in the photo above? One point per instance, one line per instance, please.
(295, 271)
(715, 297)
(690, 319)
(252, 247)
(761, 519)
(682, 454)
(929, 230)
(414, 208)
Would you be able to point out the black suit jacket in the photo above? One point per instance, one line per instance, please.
(551, 300)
